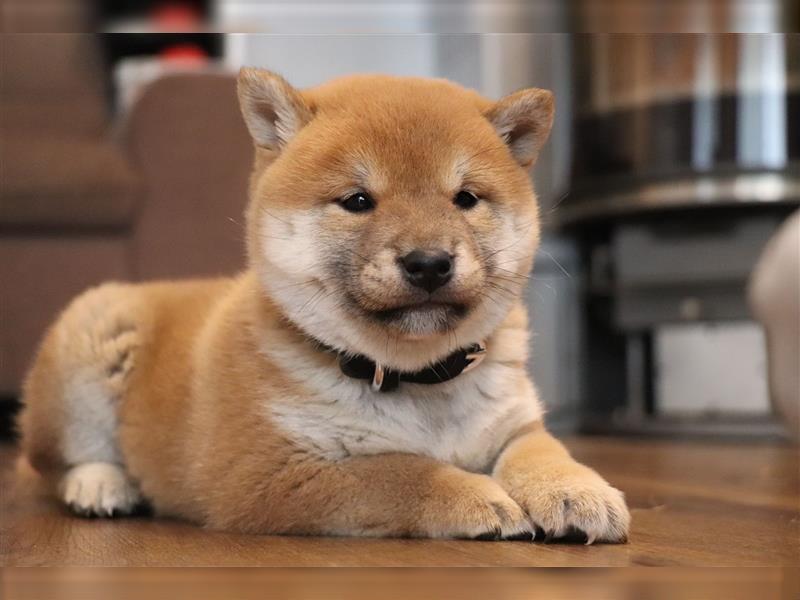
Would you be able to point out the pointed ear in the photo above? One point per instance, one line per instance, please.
(523, 119)
(273, 110)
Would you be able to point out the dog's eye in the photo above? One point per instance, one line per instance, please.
(359, 202)
(465, 200)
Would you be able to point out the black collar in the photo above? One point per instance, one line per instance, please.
(385, 380)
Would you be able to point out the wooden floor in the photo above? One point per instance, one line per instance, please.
(693, 504)
(642, 583)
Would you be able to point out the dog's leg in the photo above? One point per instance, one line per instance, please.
(559, 494)
(72, 396)
(392, 495)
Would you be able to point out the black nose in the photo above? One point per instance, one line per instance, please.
(429, 270)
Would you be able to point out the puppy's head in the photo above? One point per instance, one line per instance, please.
(392, 217)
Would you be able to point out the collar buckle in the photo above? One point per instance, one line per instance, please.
(475, 354)
(377, 378)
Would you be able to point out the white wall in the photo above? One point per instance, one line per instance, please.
(307, 60)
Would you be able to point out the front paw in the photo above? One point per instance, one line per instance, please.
(475, 507)
(580, 501)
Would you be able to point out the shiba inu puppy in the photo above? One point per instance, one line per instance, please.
(365, 375)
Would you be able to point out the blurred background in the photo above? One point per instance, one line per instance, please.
(673, 162)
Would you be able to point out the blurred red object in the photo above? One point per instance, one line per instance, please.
(176, 16)
(184, 53)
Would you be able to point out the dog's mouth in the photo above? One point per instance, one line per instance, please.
(421, 309)
(421, 318)
(398, 310)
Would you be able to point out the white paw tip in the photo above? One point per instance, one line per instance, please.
(99, 489)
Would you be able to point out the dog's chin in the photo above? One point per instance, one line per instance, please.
(416, 321)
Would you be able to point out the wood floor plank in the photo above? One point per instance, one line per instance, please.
(80, 583)
(693, 504)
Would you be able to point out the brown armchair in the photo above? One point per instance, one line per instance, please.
(85, 199)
